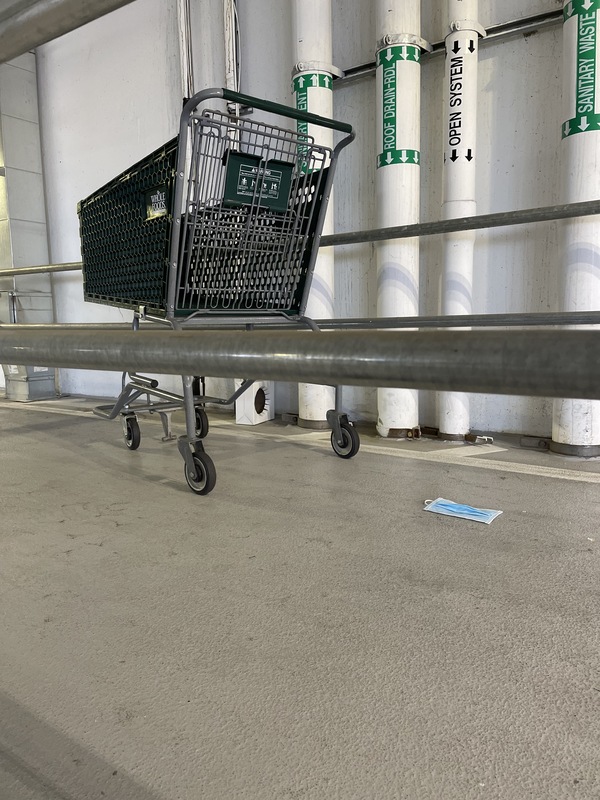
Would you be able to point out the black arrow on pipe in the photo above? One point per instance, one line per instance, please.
(471, 47)
(469, 155)
(456, 47)
(454, 156)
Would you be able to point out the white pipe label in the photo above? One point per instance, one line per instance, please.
(584, 15)
(459, 136)
(389, 61)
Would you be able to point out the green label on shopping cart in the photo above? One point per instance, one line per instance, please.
(251, 181)
(156, 202)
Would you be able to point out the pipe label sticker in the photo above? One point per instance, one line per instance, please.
(388, 63)
(459, 134)
(581, 32)
(300, 86)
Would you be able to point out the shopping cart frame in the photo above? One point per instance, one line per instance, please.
(200, 472)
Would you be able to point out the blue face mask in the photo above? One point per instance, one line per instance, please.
(450, 509)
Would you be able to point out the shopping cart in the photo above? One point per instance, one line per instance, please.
(222, 223)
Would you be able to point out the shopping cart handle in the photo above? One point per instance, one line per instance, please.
(272, 108)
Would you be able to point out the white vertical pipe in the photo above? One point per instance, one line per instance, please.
(398, 185)
(459, 176)
(185, 47)
(231, 66)
(313, 88)
(576, 423)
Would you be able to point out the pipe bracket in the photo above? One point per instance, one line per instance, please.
(403, 38)
(459, 25)
(316, 66)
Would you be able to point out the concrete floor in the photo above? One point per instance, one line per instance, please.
(306, 631)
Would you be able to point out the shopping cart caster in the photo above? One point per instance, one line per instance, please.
(345, 440)
(199, 470)
(131, 432)
(201, 423)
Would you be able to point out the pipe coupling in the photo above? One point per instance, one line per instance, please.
(467, 25)
(403, 38)
(316, 66)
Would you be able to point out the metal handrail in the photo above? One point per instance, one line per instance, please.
(25, 24)
(501, 219)
(538, 363)
(512, 320)
(498, 220)
(44, 269)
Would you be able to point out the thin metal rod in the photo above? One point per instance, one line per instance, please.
(519, 320)
(545, 319)
(502, 219)
(539, 363)
(25, 24)
(499, 220)
(495, 33)
(72, 266)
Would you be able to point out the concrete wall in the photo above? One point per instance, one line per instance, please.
(23, 230)
(110, 92)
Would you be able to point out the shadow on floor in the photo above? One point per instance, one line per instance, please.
(38, 762)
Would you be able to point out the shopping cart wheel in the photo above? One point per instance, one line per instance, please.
(131, 433)
(351, 440)
(201, 423)
(204, 477)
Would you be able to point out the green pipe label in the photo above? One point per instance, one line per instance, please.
(584, 14)
(389, 61)
(301, 85)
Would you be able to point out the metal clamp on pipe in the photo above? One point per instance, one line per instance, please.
(391, 39)
(316, 66)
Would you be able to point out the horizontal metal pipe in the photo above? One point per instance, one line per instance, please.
(544, 319)
(541, 363)
(495, 33)
(25, 24)
(502, 219)
(519, 320)
(43, 268)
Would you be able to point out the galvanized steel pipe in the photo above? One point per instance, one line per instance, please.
(502, 219)
(44, 269)
(25, 24)
(539, 363)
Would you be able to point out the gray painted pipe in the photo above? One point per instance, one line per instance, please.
(25, 24)
(539, 363)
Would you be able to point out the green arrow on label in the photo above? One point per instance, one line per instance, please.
(398, 157)
(389, 61)
(312, 80)
(585, 91)
(301, 85)
(402, 52)
(588, 122)
(580, 7)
